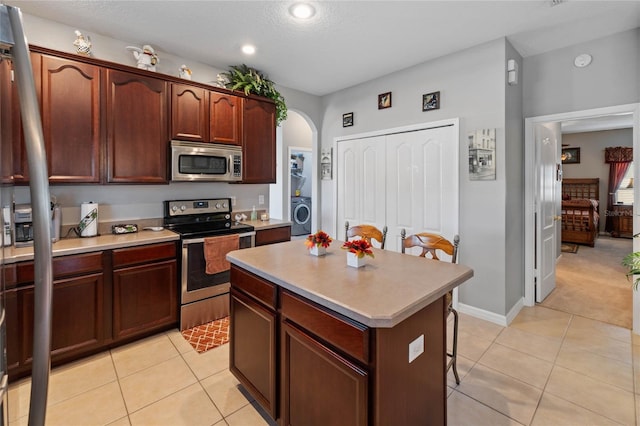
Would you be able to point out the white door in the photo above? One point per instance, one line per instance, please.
(360, 183)
(422, 183)
(549, 182)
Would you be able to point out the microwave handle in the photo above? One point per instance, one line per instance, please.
(230, 165)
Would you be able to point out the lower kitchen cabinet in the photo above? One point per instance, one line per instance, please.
(252, 348)
(273, 235)
(145, 291)
(309, 369)
(100, 299)
(77, 323)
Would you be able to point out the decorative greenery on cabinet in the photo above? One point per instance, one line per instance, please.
(250, 80)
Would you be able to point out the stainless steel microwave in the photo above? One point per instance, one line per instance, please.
(195, 161)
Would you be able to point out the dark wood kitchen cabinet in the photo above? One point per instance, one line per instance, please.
(273, 235)
(78, 310)
(145, 289)
(225, 118)
(254, 325)
(189, 113)
(259, 142)
(137, 128)
(70, 104)
(6, 123)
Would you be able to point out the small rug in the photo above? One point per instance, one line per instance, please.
(569, 248)
(208, 336)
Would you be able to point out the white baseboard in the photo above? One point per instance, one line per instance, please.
(503, 320)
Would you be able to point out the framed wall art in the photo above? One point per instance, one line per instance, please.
(384, 100)
(347, 119)
(431, 101)
(570, 155)
(482, 154)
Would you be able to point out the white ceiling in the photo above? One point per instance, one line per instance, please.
(347, 42)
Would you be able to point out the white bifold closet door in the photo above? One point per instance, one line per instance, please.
(414, 184)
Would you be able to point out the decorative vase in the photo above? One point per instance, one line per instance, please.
(355, 261)
(318, 250)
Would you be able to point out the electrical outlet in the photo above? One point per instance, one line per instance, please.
(233, 200)
(416, 348)
(260, 199)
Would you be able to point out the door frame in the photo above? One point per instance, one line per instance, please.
(530, 206)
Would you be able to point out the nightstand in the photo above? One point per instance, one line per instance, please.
(622, 218)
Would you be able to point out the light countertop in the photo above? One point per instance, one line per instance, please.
(389, 289)
(68, 246)
(267, 224)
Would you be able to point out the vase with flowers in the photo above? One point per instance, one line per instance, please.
(357, 250)
(318, 243)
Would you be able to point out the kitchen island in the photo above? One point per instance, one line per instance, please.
(318, 342)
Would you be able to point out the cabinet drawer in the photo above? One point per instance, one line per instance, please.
(342, 333)
(273, 235)
(143, 254)
(256, 287)
(65, 266)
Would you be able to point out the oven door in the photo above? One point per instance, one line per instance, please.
(196, 283)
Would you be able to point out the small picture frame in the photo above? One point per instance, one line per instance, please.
(347, 119)
(384, 100)
(431, 101)
(570, 155)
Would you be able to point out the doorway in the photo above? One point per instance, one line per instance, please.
(533, 251)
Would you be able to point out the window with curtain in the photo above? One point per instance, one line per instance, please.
(619, 159)
(624, 194)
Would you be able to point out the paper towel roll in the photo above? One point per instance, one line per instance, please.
(88, 219)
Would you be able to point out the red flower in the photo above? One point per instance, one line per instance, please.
(358, 247)
(319, 239)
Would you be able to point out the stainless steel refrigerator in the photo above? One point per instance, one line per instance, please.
(14, 48)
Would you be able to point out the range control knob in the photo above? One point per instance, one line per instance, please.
(217, 205)
(183, 207)
(174, 208)
(224, 205)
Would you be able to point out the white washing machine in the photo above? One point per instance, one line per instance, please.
(301, 215)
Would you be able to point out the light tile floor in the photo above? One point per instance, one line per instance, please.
(546, 368)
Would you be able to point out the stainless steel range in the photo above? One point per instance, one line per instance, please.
(202, 224)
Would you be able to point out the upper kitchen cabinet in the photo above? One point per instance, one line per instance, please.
(137, 128)
(70, 102)
(189, 113)
(225, 115)
(259, 142)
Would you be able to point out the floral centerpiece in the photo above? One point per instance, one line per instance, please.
(318, 243)
(357, 249)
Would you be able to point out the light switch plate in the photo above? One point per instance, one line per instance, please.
(416, 348)
(260, 199)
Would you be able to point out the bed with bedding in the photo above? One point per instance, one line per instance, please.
(580, 210)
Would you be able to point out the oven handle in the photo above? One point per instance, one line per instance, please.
(188, 241)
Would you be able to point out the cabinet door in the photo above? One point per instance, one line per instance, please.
(13, 329)
(189, 113)
(77, 316)
(6, 123)
(252, 354)
(137, 128)
(259, 142)
(318, 386)
(71, 120)
(225, 115)
(144, 298)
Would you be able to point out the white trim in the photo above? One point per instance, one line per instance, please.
(501, 320)
(531, 168)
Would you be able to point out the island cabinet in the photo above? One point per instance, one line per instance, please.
(253, 338)
(259, 142)
(80, 299)
(137, 128)
(352, 346)
(145, 290)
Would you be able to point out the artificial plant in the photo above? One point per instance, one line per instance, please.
(250, 80)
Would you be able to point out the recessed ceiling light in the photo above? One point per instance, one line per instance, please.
(248, 49)
(302, 10)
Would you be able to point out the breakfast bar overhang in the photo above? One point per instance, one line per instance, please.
(317, 342)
